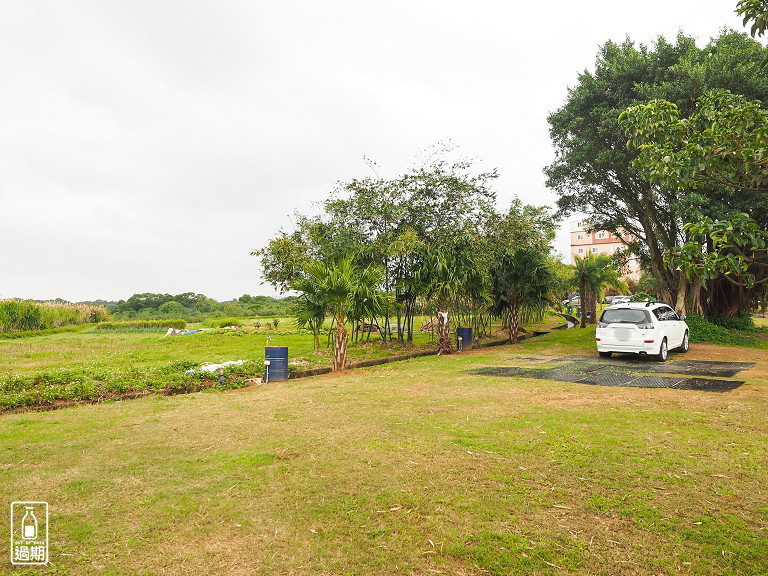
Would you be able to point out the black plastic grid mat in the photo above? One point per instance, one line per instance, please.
(697, 367)
(584, 370)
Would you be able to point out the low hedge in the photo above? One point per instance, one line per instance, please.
(221, 322)
(141, 325)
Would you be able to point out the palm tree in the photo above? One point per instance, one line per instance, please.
(369, 301)
(342, 290)
(591, 274)
(521, 285)
(312, 304)
(442, 278)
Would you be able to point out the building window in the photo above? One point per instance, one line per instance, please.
(580, 236)
(581, 250)
(594, 250)
(601, 234)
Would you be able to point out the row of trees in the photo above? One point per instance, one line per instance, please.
(191, 306)
(430, 241)
(690, 187)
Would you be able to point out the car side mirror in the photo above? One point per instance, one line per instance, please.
(682, 317)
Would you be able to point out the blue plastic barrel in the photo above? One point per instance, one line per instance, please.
(277, 369)
(465, 334)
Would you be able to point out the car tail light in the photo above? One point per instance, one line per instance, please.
(598, 339)
(646, 326)
(648, 341)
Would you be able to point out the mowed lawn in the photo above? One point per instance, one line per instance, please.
(416, 467)
(124, 350)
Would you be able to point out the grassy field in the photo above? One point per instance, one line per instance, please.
(93, 365)
(417, 467)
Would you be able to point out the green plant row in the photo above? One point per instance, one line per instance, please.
(99, 384)
(145, 325)
(221, 322)
(232, 321)
(28, 315)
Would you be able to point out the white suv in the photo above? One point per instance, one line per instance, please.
(645, 328)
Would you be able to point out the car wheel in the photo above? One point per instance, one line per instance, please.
(684, 346)
(663, 352)
(605, 354)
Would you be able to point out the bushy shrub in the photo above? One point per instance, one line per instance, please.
(27, 315)
(702, 330)
(221, 322)
(740, 322)
(142, 325)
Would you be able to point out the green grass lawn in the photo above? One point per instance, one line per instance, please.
(122, 350)
(125, 349)
(418, 467)
(89, 365)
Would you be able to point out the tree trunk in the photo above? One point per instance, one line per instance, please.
(724, 299)
(696, 297)
(666, 280)
(591, 307)
(682, 294)
(514, 322)
(340, 344)
(443, 333)
(582, 302)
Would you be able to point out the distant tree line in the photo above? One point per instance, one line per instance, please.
(191, 306)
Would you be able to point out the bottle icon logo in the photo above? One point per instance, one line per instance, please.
(29, 533)
(29, 524)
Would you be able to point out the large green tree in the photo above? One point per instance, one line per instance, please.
(522, 283)
(594, 172)
(394, 224)
(722, 144)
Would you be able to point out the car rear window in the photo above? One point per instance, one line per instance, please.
(624, 315)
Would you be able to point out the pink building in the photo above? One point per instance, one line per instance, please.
(599, 242)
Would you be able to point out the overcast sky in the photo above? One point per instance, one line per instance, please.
(149, 146)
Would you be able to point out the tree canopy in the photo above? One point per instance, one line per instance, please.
(433, 231)
(595, 173)
(722, 143)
